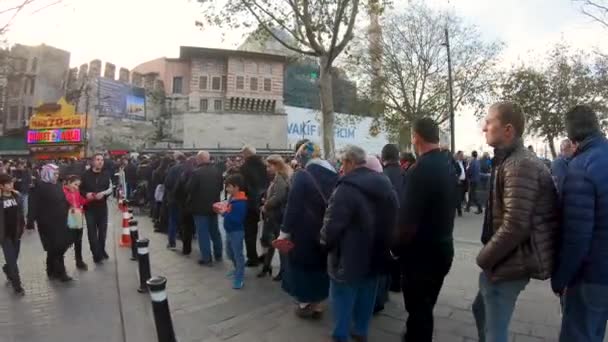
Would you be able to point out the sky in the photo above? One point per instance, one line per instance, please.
(128, 32)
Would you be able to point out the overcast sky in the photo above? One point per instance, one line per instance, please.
(128, 32)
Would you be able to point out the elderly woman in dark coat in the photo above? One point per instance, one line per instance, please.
(49, 209)
(305, 276)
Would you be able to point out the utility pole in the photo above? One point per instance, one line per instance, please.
(451, 92)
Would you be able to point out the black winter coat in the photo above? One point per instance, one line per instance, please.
(95, 182)
(204, 188)
(48, 207)
(358, 226)
(256, 181)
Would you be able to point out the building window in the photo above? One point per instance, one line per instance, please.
(253, 68)
(265, 69)
(240, 82)
(224, 83)
(202, 83)
(239, 67)
(253, 83)
(267, 84)
(217, 105)
(204, 105)
(32, 86)
(26, 82)
(216, 83)
(177, 85)
(34, 64)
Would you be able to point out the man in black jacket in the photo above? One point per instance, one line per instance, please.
(204, 188)
(358, 226)
(171, 182)
(256, 182)
(425, 232)
(96, 187)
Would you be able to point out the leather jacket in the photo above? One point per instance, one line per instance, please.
(523, 218)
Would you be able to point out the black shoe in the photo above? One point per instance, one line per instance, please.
(98, 261)
(266, 271)
(205, 263)
(186, 253)
(171, 247)
(19, 290)
(81, 265)
(64, 278)
(105, 255)
(219, 259)
(278, 277)
(252, 263)
(479, 212)
(378, 309)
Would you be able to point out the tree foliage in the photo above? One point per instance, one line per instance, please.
(546, 91)
(318, 28)
(415, 67)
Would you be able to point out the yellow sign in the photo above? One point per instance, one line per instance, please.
(53, 116)
(51, 122)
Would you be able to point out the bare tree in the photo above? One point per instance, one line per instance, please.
(596, 10)
(317, 28)
(414, 68)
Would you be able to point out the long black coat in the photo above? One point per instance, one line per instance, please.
(48, 207)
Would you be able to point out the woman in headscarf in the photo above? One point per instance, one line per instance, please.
(305, 276)
(49, 209)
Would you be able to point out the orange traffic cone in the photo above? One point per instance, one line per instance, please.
(125, 237)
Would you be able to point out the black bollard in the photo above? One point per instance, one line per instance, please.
(144, 264)
(134, 237)
(160, 307)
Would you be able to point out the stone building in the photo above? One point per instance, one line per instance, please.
(223, 98)
(36, 75)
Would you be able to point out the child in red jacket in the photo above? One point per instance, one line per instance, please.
(76, 216)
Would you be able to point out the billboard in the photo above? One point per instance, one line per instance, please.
(120, 100)
(54, 136)
(62, 121)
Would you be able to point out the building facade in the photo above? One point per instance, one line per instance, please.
(35, 75)
(223, 97)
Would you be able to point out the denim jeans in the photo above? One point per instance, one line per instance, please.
(585, 313)
(173, 223)
(207, 231)
(352, 303)
(494, 307)
(234, 249)
(11, 248)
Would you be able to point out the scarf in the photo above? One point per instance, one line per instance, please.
(48, 173)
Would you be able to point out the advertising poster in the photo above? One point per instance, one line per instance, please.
(121, 100)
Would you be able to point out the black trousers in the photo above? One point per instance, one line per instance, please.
(421, 285)
(77, 238)
(461, 191)
(251, 235)
(187, 226)
(97, 230)
(55, 265)
(473, 197)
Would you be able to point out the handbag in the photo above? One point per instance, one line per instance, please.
(75, 219)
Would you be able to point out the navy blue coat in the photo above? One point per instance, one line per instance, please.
(304, 216)
(584, 250)
(359, 221)
(559, 169)
(474, 172)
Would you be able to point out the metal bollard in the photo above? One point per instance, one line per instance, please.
(160, 307)
(134, 237)
(144, 264)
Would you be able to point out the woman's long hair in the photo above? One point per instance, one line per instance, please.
(280, 165)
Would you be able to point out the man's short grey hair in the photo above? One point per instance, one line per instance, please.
(354, 154)
(565, 144)
(249, 149)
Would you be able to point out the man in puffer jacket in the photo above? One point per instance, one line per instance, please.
(583, 260)
(520, 229)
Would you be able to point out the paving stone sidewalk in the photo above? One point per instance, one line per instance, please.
(205, 308)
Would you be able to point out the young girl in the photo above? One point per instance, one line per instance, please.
(76, 216)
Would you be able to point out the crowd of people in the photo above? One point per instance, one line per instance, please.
(350, 231)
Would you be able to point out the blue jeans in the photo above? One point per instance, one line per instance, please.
(585, 313)
(173, 223)
(352, 302)
(207, 230)
(493, 307)
(234, 249)
(11, 248)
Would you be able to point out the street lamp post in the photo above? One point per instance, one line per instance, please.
(451, 93)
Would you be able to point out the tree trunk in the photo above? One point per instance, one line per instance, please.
(405, 138)
(551, 142)
(327, 109)
(375, 51)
